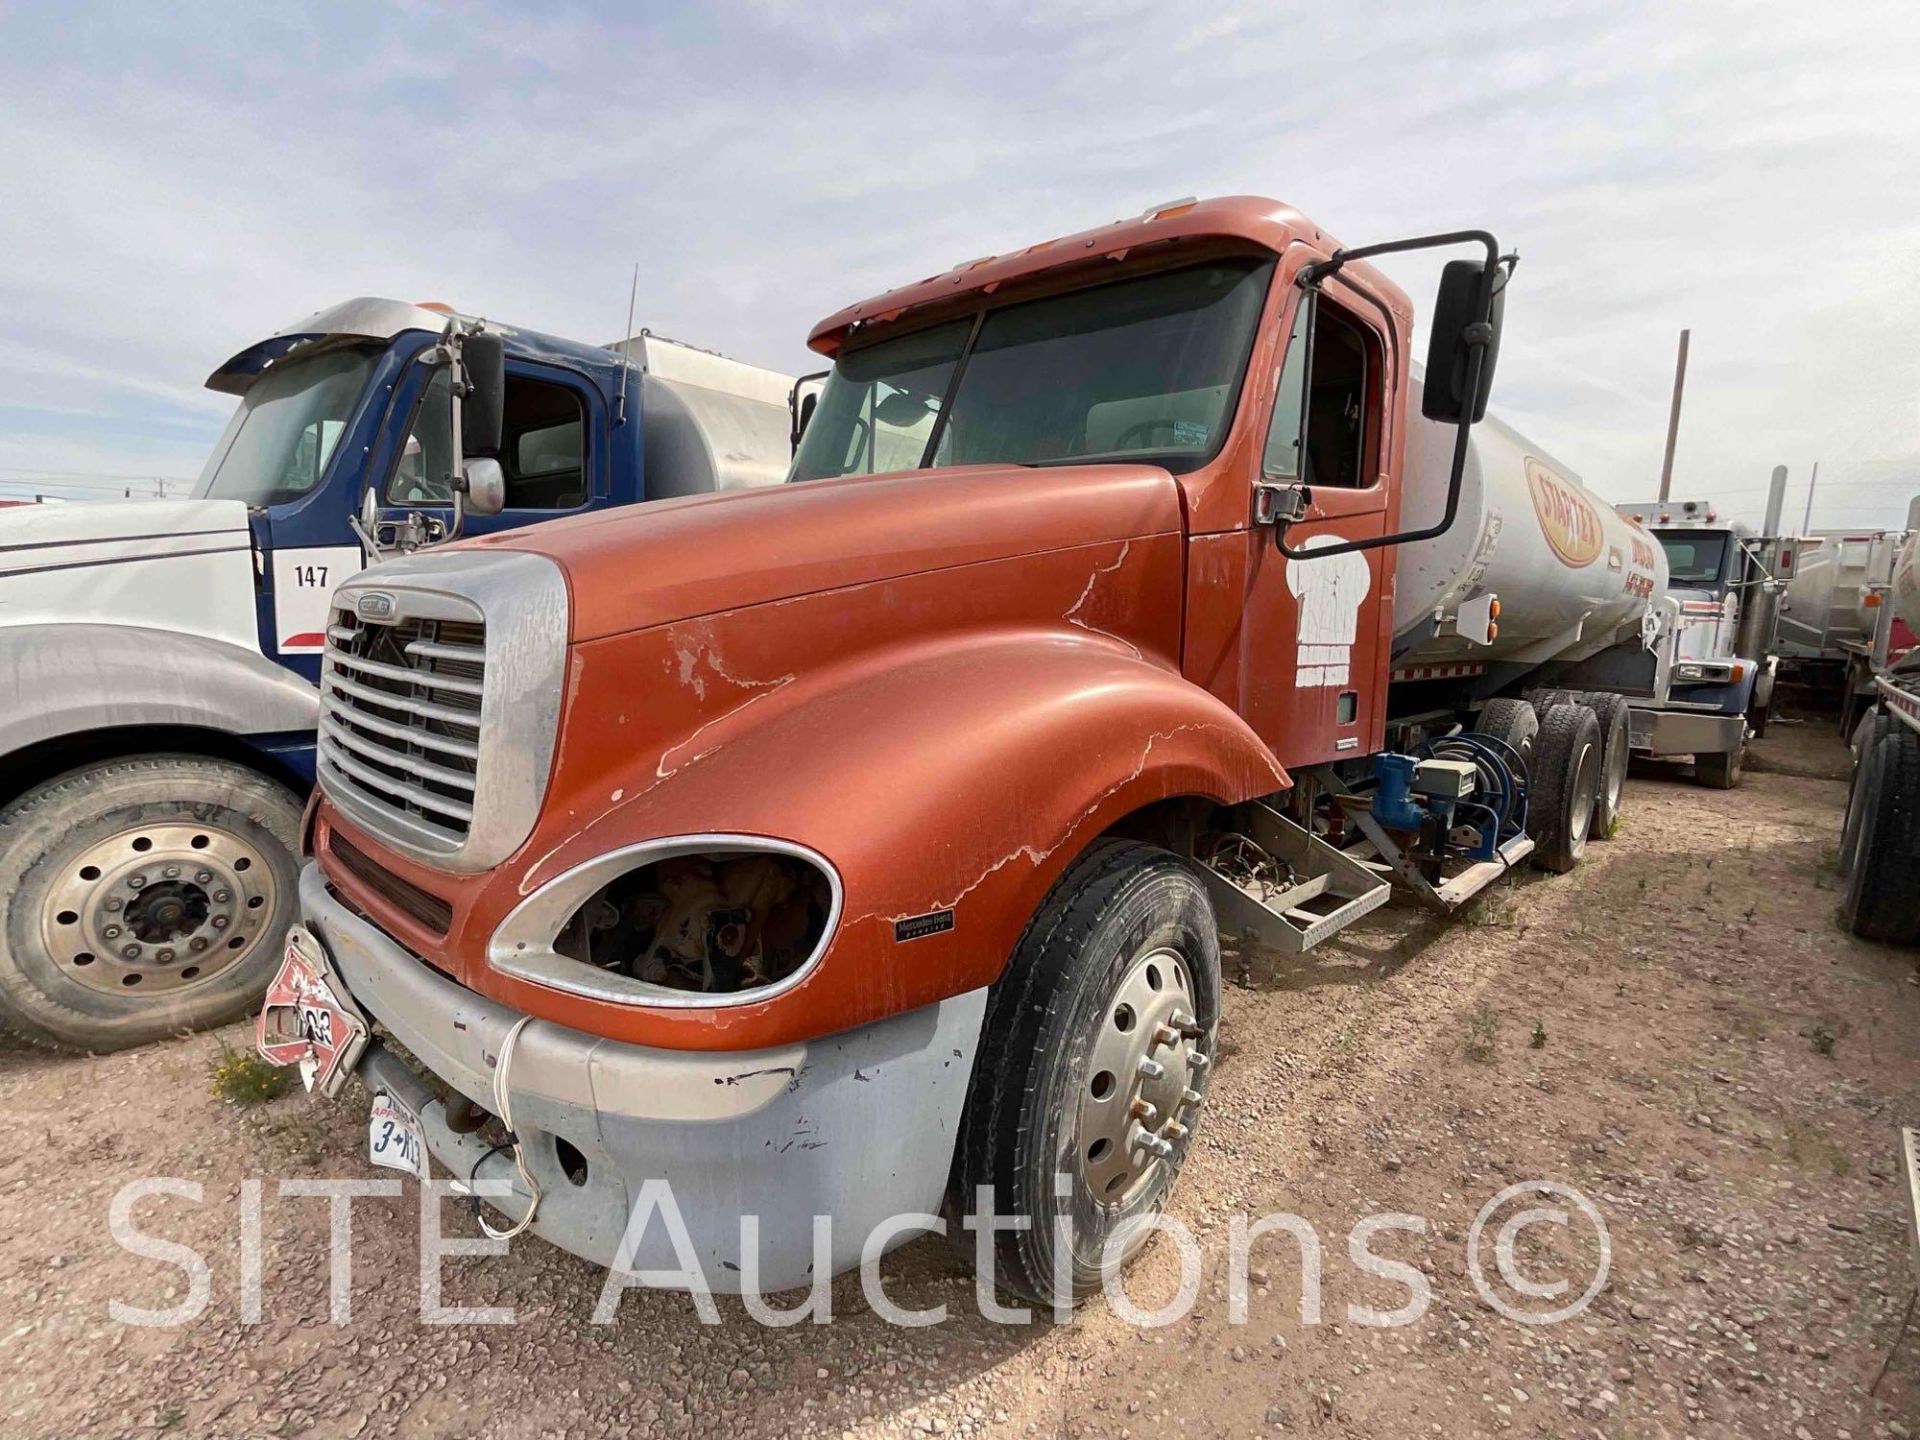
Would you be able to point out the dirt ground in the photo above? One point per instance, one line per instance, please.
(1678, 1030)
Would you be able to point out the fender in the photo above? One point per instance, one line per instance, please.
(1069, 730)
(68, 679)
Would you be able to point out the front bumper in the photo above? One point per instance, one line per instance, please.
(1674, 732)
(857, 1127)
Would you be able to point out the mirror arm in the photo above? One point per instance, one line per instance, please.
(1478, 337)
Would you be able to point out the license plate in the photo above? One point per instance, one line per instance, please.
(307, 1020)
(394, 1137)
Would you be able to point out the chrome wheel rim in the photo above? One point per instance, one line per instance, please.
(1138, 1095)
(1585, 791)
(1617, 759)
(158, 908)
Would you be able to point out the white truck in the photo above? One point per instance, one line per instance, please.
(1715, 667)
(162, 656)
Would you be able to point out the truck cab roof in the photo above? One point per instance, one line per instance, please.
(370, 317)
(1246, 221)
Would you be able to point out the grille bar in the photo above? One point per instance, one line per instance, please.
(383, 755)
(414, 735)
(375, 780)
(425, 709)
(408, 675)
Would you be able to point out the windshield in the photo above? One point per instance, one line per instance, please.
(279, 440)
(1145, 369)
(1694, 558)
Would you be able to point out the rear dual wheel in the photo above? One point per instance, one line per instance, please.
(142, 898)
(1880, 853)
(1092, 1068)
(1568, 781)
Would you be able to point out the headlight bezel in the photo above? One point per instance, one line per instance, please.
(522, 945)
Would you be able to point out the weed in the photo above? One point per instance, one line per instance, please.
(1820, 1038)
(1482, 1026)
(169, 1418)
(1538, 1040)
(1616, 825)
(1807, 1144)
(241, 1077)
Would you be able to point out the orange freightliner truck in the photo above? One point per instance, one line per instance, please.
(842, 848)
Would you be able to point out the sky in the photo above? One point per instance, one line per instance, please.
(177, 182)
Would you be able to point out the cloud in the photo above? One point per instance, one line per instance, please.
(179, 184)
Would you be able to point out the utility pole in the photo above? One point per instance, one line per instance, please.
(1806, 526)
(1673, 416)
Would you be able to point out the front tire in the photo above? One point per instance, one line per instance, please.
(1121, 965)
(143, 898)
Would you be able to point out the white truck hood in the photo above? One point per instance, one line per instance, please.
(183, 565)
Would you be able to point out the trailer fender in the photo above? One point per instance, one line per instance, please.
(1069, 732)
(70, 679)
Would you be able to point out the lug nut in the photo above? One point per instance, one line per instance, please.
(1198, 1061)
(112, 932)
(113, 906)
(1153, 1145)
(1175, 1131)
(1190, 1097)
(165, 957)
(219, 922)
(1187, 1025)
(1164, 1035)
(172, 872)
(203, 876)
(221, 897)
(1151, 1069)
(136, 881)
(197, 944)
(1143, 1111)
(130, 952)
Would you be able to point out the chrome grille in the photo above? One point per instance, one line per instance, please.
(400, 717)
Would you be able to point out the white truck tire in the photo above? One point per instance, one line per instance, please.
(142, 898)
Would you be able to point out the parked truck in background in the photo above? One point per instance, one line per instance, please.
(1715, 667)
(1880, 837)
(161, 656)
(1837, 629)
(865, 846)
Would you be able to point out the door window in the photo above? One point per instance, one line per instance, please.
(543, 455)
(1333, 389)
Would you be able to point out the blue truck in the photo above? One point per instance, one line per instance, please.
(163, 655)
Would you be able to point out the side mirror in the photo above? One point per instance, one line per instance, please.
(483, 356)
(486, 492)
(1457, 325)
(369, 509)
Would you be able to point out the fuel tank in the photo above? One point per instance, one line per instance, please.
(1572, 576)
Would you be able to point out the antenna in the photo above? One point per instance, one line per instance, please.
(626, 350)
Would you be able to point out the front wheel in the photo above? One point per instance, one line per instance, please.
(143, 898)
(1092, 1068)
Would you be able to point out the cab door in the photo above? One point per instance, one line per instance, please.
(1317, 632)
(553, 435)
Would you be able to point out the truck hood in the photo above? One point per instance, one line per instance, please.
(673, 560)
(103, 526)
(177, 565)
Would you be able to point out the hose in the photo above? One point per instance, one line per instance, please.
(503, 1107)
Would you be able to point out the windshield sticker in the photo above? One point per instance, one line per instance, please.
(1190, 432)
(1567, 516)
